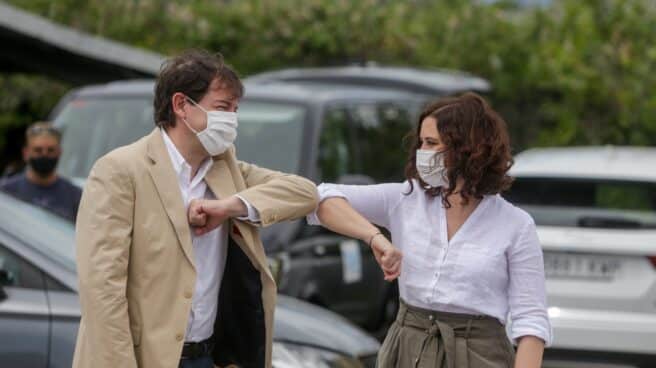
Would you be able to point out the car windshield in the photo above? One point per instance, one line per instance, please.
(586, 202)
(93, 126)
(51, 235)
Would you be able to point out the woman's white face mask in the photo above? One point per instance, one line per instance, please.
(431, 169)
(220, 133)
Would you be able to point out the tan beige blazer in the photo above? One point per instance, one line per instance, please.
(136, 263)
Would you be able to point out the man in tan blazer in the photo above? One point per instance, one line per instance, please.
(153, 292)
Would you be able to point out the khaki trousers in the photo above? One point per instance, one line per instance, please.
(421, 338)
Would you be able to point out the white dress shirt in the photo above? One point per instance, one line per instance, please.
(492, 265)
(210, 250)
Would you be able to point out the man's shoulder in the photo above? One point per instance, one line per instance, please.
(128, 156)
(69, 185)
(13, 182)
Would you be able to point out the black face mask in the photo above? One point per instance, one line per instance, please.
(43, 166)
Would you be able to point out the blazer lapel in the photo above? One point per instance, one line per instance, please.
(166, 182)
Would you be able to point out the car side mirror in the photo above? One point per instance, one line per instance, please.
(277, 267)
(356, 180)
(5, 278)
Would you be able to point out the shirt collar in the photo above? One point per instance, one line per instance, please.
(180, 165)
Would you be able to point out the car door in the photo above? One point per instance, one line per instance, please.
(24, 314)
(65, 322)
(360, 143)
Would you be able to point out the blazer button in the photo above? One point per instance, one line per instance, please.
(179, 337)
(188, 294)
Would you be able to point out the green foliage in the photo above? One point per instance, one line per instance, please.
(23, 100)
(576, 72)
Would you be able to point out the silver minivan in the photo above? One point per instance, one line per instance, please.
(595, 210)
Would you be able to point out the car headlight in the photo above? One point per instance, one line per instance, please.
(286, 355)
(275, 265)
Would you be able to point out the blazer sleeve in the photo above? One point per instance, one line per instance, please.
(103, 239)
(277, 196)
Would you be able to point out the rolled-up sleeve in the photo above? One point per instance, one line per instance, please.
(253, 215)
(527, 289)
(374, 202)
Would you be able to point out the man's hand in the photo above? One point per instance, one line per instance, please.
(206, 215)
(388, 257)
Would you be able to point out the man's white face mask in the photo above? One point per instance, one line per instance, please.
(220, 133)
(431, 169)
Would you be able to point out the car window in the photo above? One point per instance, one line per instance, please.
(270, 134)
(365, 139)
(18, 272)
(380, 130)
(336, 145)
(586, 202)
(93, 126)
(42, 231)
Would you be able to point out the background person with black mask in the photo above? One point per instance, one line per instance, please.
(39, 183)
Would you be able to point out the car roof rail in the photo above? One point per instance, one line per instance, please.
(424, 81)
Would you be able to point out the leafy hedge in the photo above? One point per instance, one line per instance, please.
(575, 72)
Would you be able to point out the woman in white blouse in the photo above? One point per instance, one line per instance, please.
(469, 258)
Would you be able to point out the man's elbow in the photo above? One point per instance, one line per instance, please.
(308, 192)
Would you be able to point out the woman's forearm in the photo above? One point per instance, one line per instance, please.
(337, 215)
(529, 352)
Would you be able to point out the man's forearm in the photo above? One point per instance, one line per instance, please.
(282, 198)
(233, 206)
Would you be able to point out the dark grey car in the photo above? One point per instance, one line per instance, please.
(335, 125)
(39, 307)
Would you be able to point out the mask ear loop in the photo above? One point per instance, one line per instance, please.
(185, 119)
(195, 103)
(433, 161)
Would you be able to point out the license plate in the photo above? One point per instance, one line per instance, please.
(580, 266)
(351, 261)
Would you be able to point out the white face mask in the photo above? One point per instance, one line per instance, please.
(220, 133)
(431, 169)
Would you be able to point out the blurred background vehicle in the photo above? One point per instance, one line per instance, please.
(595, 210)
(40, 311)
(330, 124)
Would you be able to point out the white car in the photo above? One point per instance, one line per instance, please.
(595, 210)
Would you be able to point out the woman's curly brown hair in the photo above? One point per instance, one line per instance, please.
(477, 148)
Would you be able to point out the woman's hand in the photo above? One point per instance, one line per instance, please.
(388, 257)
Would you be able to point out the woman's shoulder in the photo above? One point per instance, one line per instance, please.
(510, 213)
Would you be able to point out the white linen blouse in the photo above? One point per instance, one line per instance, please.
(492, 265)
